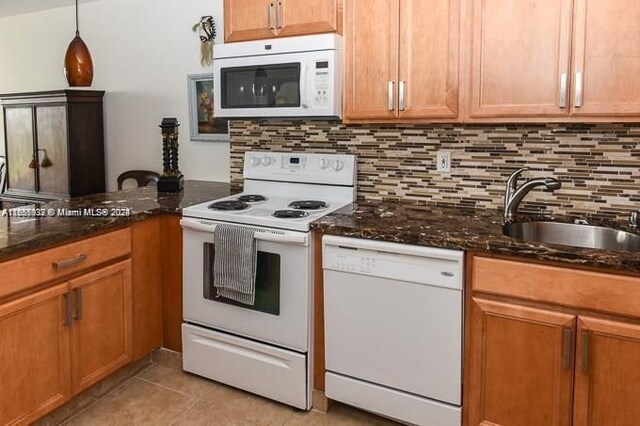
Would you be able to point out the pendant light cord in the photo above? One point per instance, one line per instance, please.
(77, 30)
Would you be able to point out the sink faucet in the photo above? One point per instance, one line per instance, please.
(514, 194)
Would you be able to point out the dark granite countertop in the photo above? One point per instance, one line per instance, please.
(479, 231)
(20, 235)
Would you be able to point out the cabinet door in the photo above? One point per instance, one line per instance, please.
(520, 58)
(520, 365)
(34, 356)
(18, 123)
(52, 138)
(606, 61)
(429, 53)
(300, 17)
(607, 373)
(101, 333)
(371, 59)
(249, 20)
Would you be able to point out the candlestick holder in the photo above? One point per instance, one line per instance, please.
(172, 179)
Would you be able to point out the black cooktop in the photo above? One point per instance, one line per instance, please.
(231, 205)
(308, 205)
(290, 214)
(252, 198)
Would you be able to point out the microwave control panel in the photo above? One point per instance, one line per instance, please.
(322, 83)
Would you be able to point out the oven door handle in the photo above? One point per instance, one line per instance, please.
(276, 236)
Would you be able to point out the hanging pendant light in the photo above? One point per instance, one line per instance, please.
(78, 66)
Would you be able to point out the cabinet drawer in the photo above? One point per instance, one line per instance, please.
(581, 289)
(28, 271)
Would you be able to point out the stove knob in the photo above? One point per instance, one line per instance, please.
(324, 164)
(255, 161)
(266, 161)
(337, 165)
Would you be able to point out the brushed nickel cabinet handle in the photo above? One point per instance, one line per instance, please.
(278, 6)
(269, 13)
(61, 264)
(79, 306)
(578, 98)
(585, 352)
(567, 338)
(68, 314)
(401, 95)
(390, 87)
(563, 90)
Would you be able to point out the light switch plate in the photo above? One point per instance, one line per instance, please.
(444, 161)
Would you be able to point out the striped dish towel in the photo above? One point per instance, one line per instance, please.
(234, 264)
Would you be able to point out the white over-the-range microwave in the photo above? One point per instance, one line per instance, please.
(287, 77)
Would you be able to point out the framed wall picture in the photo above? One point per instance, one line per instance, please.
(202, 123)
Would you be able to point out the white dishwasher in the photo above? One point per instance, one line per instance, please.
(393, 329)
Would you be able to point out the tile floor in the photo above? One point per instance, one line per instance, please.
(162, 395)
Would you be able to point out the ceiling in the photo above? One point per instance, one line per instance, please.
(17, 7)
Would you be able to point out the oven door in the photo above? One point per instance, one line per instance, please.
(280, 315)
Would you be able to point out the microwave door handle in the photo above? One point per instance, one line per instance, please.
(304, 102)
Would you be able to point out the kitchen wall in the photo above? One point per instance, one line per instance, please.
(599, 165)
(142, 51)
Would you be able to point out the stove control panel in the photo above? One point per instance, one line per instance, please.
(337, 169)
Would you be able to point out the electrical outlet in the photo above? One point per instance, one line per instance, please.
(444, 161)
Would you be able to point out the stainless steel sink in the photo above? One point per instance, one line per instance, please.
(569, 234)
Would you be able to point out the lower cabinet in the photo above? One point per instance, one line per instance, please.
(521, 365)
(607, 373)
(61, 340)
(530, 366)
(101, 331)
(35, 360)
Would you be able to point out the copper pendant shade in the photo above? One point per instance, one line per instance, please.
(78, 65)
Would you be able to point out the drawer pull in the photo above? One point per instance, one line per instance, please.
(61, 264)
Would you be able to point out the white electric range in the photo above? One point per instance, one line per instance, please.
(264, 348)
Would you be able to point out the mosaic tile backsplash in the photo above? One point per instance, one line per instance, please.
(598, 164)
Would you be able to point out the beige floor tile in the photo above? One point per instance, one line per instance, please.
(137, 402)
(338, 415)
(162, 395)
(251, 410)
(189, 384)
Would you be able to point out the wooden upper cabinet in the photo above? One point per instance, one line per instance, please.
(429, 56)
(606, 58)
(607, 373)
(520, 58)
(101, 332)
(249, 20)
(401, 59)
(371, 59)
(520, 366)
(301, 17)
(34, 356)
(259, 19)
